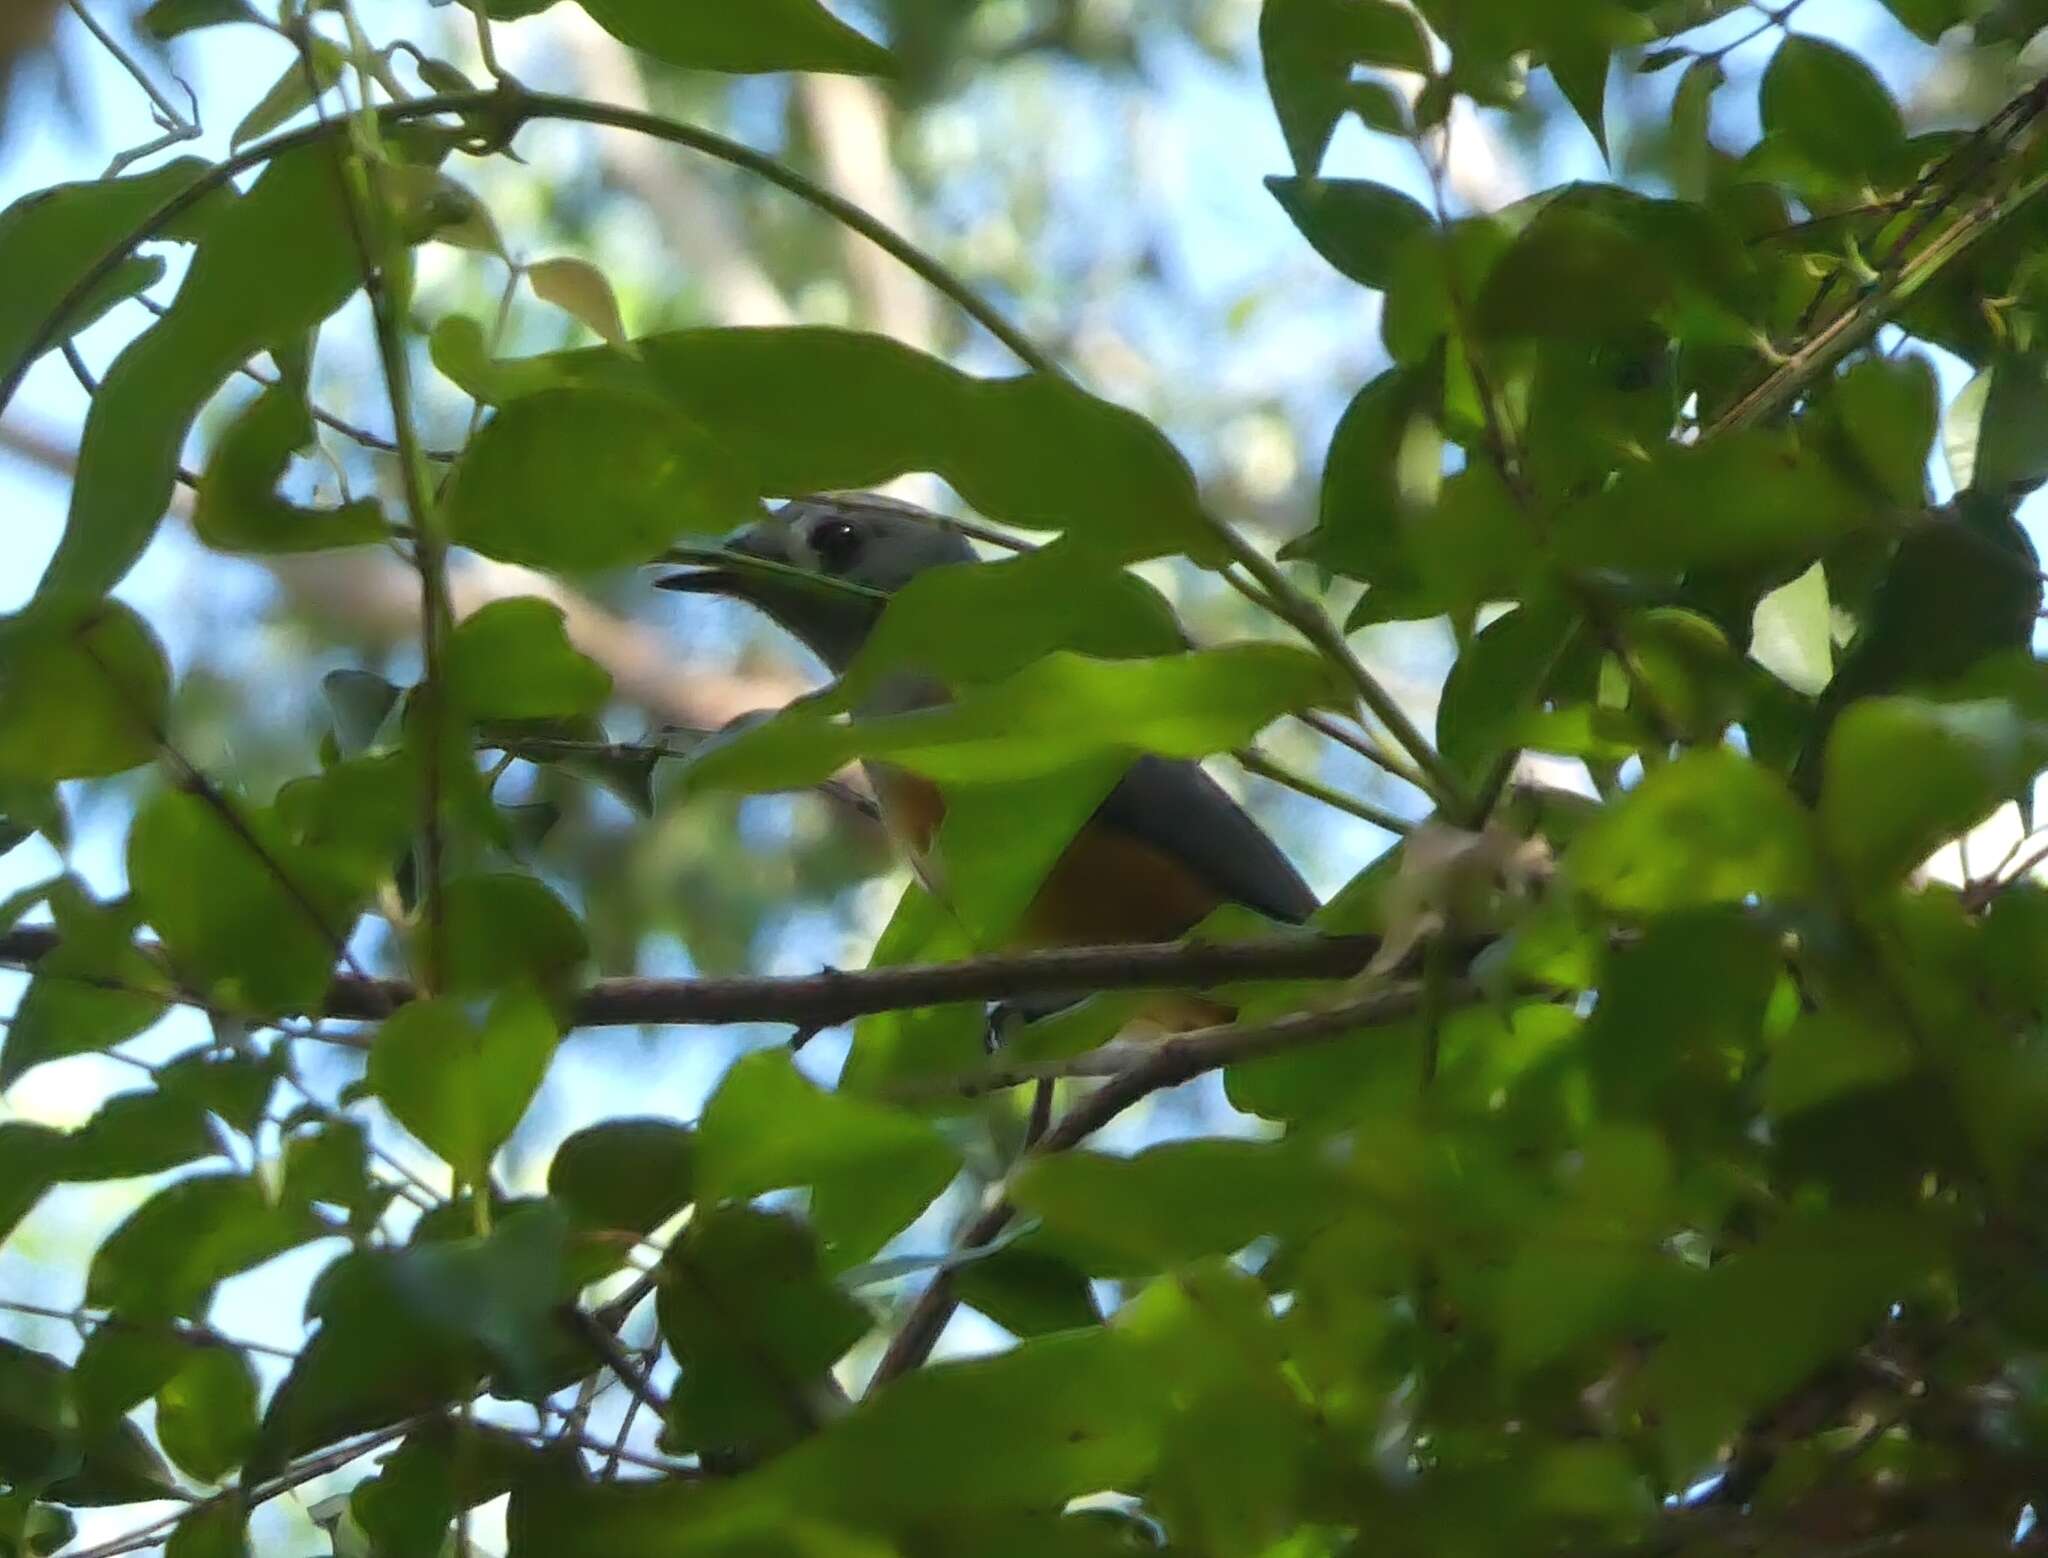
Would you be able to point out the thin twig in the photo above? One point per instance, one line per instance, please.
(295, 1476)
(176, 125)
(604, 1342)
(193, 1332)
(1309, 620)
(1253, 761)
(1170, 1064)
(430, 551)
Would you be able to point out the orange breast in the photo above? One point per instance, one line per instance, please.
(1108, 887)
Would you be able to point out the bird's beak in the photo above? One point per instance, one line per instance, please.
(701, 581)
(712, 570)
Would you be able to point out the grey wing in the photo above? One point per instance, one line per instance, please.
(1177, 807)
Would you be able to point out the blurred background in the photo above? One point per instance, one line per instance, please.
(1095, 166)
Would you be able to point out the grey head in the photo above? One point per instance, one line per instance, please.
(863, 539)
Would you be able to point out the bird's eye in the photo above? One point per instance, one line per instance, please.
(835, 543)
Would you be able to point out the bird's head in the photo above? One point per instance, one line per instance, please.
(823, 567)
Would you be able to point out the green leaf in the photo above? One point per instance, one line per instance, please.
(169, 1254)
(43, 1445)
(756, 1328)
(122, 1365)
(206, 1413)
(1588, 1264)
(1994, 438)
(236, 300)
(27, 1169)
(1498, 680)
(631, 1175)
(1887, 409)
(583, 479)
(407, 1508)
(1825, 1054)
(894, 1049)
(246, 913)
(238, 508)
(168, 19)
(1384, 471)
(1057, 712)
(1792, 632)
(92, 991)
(1027, 1293)
(406, 1330)
(1831, 108)
(1309, 48)
(81, 700)
(1945, 767)
(998, 844)
(132, 1134)
(873, 1168)
(234, 1086)
(459, 1087)
(1757, 1323)
(1680, 1013)
(1045, 1422)
(977, 623)
(1710, 828)
(764, 35)
(49, 239)
(1355, 224)
(1175, 1203)
(305, 79)
(212, 1531)
(772, 405)
(1743, 499)
(506, 932)
(513, 661)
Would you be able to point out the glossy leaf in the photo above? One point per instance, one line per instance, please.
(43, 1445)
(763, 413)
(771, 35)
(244, 910)
(1056, 712)
(1947, 766)
(874, 1168)
(755, 1327)
(81, 700)
(1355, 224)
(461, 1087)
(48, 239)
(512, 661)
(206, 1413)
(1831, 107)
(238, 509)
(235, 302)
(625, 1174)
(168, 1255)
(1309, 48)
(1709, 828)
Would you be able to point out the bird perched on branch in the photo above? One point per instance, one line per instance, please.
(1165, 848)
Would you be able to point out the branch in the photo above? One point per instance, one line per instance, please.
(1173, 1062)
(834, 996)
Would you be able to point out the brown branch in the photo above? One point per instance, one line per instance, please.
(1173, 1062)
(834, 996)
(603, 1341)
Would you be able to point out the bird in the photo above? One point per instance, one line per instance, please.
(1166, 847)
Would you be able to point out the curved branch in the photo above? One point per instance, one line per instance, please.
(505, 111)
